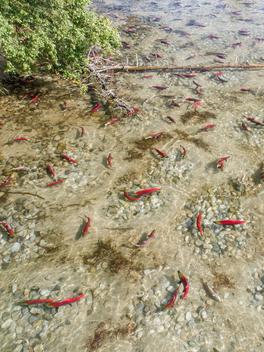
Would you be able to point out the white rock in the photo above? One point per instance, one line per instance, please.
(188, 316)
(204, 315)
(187, 239)
(38, 348)
(156, 321)
(139, 334)
(171, 288)
(19, 330)
(35, 311)
(44, 292)
(258, 297)
(7, 324)
(16, 247)
(42, 243)
(160, 328)
(198, 243)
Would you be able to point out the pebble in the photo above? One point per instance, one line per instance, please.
(258, 297)
(14, 288)
(198, 243)
(19, 330)
(35, 311)
(139, 334)
(37, 326)
(160, 328)
(171, 288)
(204, 314)
(32, 319)
(38, 348)
(259, 308)
(26, 293)
(43, 243)
(7, 324)
(16, 247)
(44, 292)
(19, 348)
(139, 308)
(56, 287)
(17, 309)
(188, 316)
(16, 315)
(191, 343)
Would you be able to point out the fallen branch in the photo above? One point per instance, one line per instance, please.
(182, 68)
(96, 72)
(24, 193)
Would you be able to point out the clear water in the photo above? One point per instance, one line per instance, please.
(127, 287)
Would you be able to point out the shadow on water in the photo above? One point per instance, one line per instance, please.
(79, 233)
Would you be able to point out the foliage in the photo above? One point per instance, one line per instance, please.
(51, 35)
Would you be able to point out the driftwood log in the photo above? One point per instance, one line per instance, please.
(120, 68)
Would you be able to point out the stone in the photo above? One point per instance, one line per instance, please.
(160, 328)
(43, 243)
(259, 308)
(19, 330)
(204, 314)
(198, 243)
(188, 316)
(19, 348)
(56, 288)
(5, 316)
(32, 319)
(16, 315)
(38, 348)
(191, 343)
(35, 311)
(7, 259)
(44, 292)
(258, 297)
(14, 288)
(16, 247)
(171, 288)
(26, 293)
(139, 308)
(139, 334)
(7, 324)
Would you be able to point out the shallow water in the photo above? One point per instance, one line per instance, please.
(127, 287)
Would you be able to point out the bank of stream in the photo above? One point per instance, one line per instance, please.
(181, 126)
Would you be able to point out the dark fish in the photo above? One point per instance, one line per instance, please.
(126, 45)
(217, 54)
(164, 41)
(160, 87)
(212, 36)
(182, 33)
(234, 45)
(244, 32)
(194, 23)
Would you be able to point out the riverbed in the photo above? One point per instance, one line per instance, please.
(195, 138)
